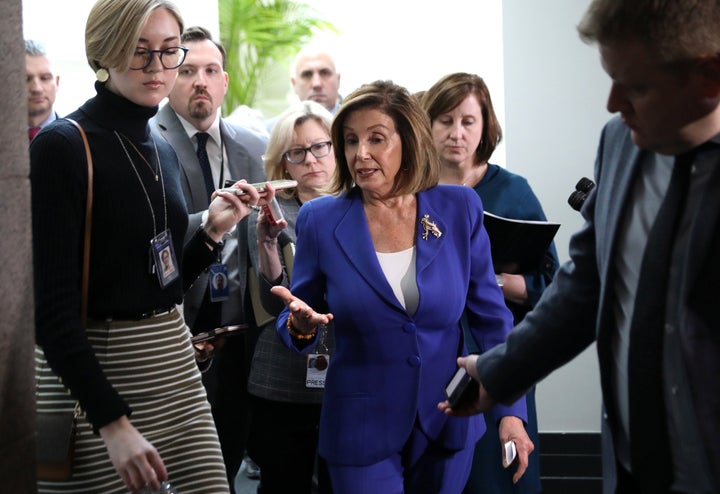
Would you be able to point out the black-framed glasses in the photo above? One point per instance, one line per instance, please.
(170, 58)
(296, 156)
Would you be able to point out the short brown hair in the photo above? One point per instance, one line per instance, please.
(113, 28)
(420, 167)
(676, 30)
(450, 91)
(198, 33)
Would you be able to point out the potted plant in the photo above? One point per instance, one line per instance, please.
(258, 35)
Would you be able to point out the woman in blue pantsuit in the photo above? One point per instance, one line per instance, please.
(395, 260)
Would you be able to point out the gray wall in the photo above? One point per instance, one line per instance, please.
(16, 322)
(555, 93)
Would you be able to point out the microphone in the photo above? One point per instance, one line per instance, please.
(582, 189)
(284, 239)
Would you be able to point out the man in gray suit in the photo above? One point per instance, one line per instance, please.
(644, 276)
(212, 151)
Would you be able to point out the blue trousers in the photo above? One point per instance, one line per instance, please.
(419, 468)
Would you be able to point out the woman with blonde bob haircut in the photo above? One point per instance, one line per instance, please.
(122, 350)
(113, 29)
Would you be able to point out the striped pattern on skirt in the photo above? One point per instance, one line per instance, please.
(151, 364)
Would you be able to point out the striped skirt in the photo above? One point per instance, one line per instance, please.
(150, 363)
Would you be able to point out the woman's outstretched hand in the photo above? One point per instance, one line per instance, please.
(305, 319)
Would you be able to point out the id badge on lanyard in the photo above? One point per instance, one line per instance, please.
(318, 362)
(162, 259)
(219, 285)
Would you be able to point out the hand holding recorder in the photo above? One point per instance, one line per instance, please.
(467, 396)
(260, 187)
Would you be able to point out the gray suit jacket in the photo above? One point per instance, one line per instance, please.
(577, 308)
(244, 151)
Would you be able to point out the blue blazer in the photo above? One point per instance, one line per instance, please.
(391, 367)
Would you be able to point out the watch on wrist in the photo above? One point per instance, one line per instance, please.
(208, 239)
(500, 279)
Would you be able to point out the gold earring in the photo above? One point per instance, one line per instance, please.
(102, 75)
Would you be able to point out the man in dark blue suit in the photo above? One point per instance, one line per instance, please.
(643, 276)
(42, 86)
(212, 151)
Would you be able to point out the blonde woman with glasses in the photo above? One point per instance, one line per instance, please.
(131, 367)
(282, 382)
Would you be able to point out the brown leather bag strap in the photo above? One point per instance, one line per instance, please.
(88, 222)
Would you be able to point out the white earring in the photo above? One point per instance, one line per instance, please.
(102, 75)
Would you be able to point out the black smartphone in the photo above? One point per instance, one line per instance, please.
(461, 389)
(214, 333)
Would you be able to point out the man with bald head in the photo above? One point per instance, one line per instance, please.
(316, 78)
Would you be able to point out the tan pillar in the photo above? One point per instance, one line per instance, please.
(17, 336)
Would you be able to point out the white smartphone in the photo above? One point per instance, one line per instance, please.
(510, 452)
(260, 186)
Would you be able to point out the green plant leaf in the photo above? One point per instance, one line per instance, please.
(257, 33)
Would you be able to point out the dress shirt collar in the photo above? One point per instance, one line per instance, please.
(214, 129)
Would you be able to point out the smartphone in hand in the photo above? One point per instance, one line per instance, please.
(272, 211)
(462, 389)
(260, 186)
(217, 332)
(510, 453)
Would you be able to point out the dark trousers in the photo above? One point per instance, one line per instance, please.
(626, 484)
(226, 385)
(283, 442)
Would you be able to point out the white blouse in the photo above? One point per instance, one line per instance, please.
(399, 269)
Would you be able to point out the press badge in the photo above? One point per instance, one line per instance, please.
(218, 279)
(317, 363)
(162, 259)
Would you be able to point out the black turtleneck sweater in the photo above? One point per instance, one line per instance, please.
(120, 284)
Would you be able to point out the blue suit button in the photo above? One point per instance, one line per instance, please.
(409, 328)
(414, 361)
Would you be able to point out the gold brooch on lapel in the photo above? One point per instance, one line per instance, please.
(429, 227)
